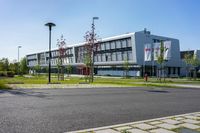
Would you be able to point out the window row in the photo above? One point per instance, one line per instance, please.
(31, 57)
(64, 61)
(114, 44)
(32, 63)
(56, 53)
(116, 56)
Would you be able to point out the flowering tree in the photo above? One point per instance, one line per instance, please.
(61, 54)
(90, 48)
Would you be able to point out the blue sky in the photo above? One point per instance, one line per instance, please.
(22, 21)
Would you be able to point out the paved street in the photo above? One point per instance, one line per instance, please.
(61, 110)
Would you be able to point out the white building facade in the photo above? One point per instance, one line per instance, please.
(111, 54)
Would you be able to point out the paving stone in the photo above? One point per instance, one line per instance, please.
(106, 131)
(178, 118)
(143, 126)
(136, 131)
(191, 121)
(191, 117)
(123, 128)
(190, 126)
(170, 121)
(167, 126)
(155, 122)
(160, 130)
(197, 114)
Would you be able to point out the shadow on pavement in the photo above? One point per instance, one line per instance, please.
(158, 91)
(25, 93)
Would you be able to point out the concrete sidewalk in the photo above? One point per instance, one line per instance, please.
(187, 123)
(59, 86)
(187, 85)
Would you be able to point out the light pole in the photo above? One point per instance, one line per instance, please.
(18, 58)
(93, 37)
(50, 25)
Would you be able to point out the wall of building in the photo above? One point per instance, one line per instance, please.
(111, 52)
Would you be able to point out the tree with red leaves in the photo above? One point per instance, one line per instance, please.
(61, 55)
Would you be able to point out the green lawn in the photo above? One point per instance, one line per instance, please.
(4, 87)
(43, 79)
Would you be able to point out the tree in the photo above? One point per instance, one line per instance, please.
(126, 67)
(23, 66)
(37, 69)
(4, 64)
(87, 62)
(195, 62)
(90, 48)
(62, 53)
(191, 61)
(60, 71)
(69, 70)
(188, 61)
(13, 66)
(161, 60)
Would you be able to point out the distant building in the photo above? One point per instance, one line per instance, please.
(111, 55)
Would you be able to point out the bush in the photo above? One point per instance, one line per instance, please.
(3, 73)
(10, 74)
(7, 73)
(3, 86)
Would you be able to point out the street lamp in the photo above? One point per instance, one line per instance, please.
(18, 58)
(50, 25)
(93, 35)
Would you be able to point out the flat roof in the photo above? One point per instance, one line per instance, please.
(101, 40)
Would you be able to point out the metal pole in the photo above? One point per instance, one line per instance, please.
(18, 60)
(92, 67)
(92, 64)
(50, 25)
(49, 54)
(152, 59)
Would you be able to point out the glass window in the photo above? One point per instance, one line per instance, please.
(107, 45)
(130, 55)
(72, 59)
(102, 46)
(95, 58)
(124, 44)
(98, 47)
(112, 45)
(129, 43)
(103, 57)
(124, 55)
(108, 56)
(118, 44)
(119, 56)
(99, 58)
(71, 51)
(113, 56)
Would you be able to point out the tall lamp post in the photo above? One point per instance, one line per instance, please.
(50, 25)
(18, 58)
(93, 38)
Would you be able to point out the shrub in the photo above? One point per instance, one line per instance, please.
(3, 73)
(7, 73)
(10, 74)
(3, 86)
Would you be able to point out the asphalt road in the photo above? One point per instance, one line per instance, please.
(60, 110)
